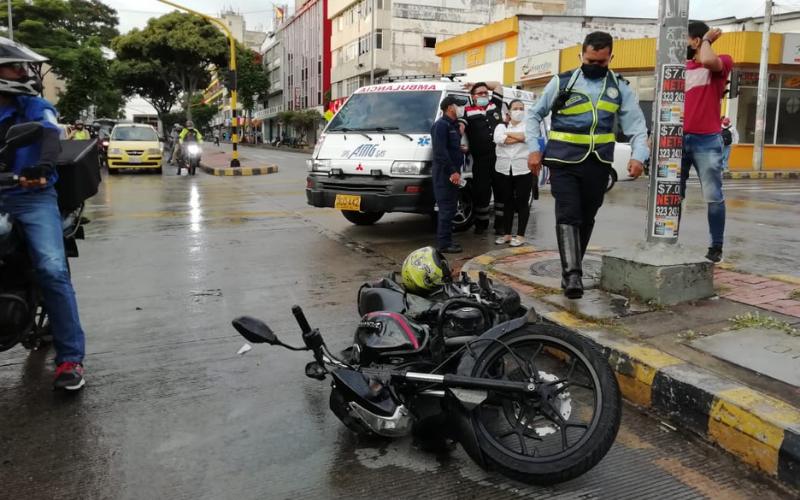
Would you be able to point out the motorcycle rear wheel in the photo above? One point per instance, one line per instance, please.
(536, 421)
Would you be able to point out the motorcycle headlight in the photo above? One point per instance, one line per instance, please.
(193, 149)
(105, 144)
(115, 151)
(318, 165)
(153, 151)
(411, 168)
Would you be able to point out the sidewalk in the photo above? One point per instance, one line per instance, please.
(753, 174)
(217, 162)
(726, 368)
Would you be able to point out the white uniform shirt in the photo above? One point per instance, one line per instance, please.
(512, 159)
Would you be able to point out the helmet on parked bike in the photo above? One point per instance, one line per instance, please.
(30, 69)
(425, 270)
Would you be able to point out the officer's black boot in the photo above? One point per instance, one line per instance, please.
(586, 235)
(569, 247)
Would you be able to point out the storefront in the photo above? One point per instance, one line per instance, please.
(634, 60)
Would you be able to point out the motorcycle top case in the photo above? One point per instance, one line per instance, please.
(78, 173)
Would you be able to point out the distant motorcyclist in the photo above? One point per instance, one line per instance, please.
(79, 133)
(34, 206)
(174, 136)
(188, 134)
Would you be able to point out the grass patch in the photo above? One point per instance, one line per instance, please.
(655, 305)
(722, 289)
(794, 294)
(688, 335)
(751, 320)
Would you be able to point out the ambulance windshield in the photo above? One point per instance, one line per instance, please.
(403, 112)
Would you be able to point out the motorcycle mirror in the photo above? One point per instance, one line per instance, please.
(24, 134)
(255, 330)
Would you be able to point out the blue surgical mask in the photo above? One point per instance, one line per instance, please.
(482, 101)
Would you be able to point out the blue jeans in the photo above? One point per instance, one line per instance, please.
(37, 212)
(705, 152)
(726, 156)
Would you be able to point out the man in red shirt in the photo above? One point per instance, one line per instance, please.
(706, 78)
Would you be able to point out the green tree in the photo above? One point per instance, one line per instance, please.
(146, 79)
(91, 85)
(302, 121)
(181, 47)
(202, 113)
(57, 29)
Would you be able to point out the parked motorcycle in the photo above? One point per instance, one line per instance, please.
(190, 152)
(523, 396)
(23, 316)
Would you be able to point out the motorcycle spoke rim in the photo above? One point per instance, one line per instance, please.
(541, 428)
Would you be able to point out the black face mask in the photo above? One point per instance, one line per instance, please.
(594, 71)
(690, 53)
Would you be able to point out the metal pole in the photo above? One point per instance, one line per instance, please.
(232, 41)
(763, 90)
(663, 205)
(373, 45)
(10, 23)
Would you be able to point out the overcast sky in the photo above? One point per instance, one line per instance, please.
(135, 13)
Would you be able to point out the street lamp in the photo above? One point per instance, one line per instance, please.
(232, 40)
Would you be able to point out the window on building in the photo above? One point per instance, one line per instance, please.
(378, 39)
(458, 62)
(429, 42)
(496, 51)
(341, 23)
(380, 4)
(788, 131)
(746, 117)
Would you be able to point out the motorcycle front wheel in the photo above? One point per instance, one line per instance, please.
(566, 426)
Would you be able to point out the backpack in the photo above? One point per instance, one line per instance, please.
(727, 137)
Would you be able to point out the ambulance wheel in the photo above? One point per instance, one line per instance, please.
(612, 179)
(465, 211)
(362, 218)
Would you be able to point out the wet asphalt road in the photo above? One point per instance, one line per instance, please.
(170, 411)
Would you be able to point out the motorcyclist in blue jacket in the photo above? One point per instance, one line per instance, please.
(34, 205)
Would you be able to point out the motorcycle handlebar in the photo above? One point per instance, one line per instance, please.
(301, 319)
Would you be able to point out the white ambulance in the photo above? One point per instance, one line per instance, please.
(375, 155)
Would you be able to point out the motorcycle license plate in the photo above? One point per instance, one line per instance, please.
(135, 160)
(347, 202)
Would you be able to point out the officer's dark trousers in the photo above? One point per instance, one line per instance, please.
(446, 195)
(482, 187)
(579, 191)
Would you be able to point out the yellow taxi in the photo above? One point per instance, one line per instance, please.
(134, 145)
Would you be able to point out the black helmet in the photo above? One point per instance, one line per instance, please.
(14, 53)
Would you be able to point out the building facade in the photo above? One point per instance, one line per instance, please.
(399, 37)
(306, 57)
(547, 46)
(272, 50)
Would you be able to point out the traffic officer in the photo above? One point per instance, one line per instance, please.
(448, 156)
(480, 119)
(580, 147)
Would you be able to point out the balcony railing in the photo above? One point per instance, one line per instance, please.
(268, 113)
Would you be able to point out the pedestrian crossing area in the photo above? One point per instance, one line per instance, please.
(780, 188)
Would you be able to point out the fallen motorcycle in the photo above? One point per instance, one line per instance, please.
(523, 396)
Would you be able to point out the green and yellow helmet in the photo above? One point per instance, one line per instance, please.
(425, 270)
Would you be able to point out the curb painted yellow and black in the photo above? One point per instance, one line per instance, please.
(239, 171)
(764, 432)
(761, 175)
